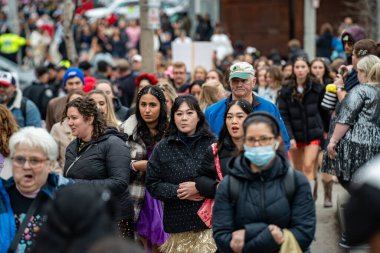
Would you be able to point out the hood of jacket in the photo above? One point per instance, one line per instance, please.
(240, 167)
(111, 131)
(116, 103)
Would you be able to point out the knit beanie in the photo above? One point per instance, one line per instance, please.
(73, 72)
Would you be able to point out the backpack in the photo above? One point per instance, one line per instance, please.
(288, 180)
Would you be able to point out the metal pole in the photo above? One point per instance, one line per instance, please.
(309, 28)
(146, 39)
(292, 22)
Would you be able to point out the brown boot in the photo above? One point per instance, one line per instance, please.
(328, 193)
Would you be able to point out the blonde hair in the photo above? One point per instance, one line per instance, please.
(195, 70)
(366, 64)
(168, 89)
(110, 117)
(209, 93)
(374, 74)
(8, 126)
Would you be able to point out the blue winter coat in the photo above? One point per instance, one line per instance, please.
(215, 115)
(7, 220)
(262, 201)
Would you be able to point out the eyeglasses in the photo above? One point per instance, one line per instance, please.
(33, 161)
(263, 141)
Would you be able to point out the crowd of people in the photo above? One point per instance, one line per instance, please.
(225, 159)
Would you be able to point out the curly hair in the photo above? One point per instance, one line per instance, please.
(142, 129)
(8, 126)
(87, 108)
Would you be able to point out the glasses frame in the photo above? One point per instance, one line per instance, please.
(33, 162)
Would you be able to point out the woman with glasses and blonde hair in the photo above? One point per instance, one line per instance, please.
(8, 126)
(212, 92)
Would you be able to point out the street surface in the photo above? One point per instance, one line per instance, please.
(328, 232)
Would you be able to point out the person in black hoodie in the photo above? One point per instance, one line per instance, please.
(260, 216)
(230, 143)
(171, 173)
(99, 157)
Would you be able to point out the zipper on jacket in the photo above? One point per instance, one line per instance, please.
(263, 195)
(68, 169)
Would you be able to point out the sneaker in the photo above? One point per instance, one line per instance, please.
(348, 245)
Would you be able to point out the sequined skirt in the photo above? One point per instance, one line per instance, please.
(359, 145)
(190, 242)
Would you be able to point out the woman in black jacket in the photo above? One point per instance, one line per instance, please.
(269, 201)
(230, 143)
(171, 173)
(299, 103)
(99, 156)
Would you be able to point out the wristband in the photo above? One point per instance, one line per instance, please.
(340, 88)
(131, 165)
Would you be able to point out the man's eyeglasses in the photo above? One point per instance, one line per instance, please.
(263, 141)
(33, 161)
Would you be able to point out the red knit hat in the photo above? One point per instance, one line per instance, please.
(145, 76)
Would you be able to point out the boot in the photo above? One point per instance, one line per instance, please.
(313, 186)
(327, 186)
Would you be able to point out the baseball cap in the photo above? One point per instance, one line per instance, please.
(7, 78)
(241, 70)
(137, 58)
(73, 72)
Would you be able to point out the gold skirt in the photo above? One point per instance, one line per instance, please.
(200, 241)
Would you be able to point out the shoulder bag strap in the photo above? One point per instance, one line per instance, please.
(217, 162)
(32, 209)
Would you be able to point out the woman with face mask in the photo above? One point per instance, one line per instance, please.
(263, 215)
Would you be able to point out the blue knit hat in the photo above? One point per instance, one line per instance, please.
(73, 72)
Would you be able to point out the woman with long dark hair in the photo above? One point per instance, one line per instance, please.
(145, 129)
(230, 143)
(299, 104)
(171, 174)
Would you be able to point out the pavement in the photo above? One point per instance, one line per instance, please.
(328, 228)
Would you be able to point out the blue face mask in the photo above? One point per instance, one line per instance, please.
(259, 156)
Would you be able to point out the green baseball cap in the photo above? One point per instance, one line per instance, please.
(242, 70)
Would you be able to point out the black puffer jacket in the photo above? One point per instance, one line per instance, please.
(103, 163)
(174, 162)
(207, 178)
(262, 201)
(303, 119)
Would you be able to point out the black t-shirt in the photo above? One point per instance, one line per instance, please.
(20, 206)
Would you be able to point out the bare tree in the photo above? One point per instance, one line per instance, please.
(364, 13)
(69, 13)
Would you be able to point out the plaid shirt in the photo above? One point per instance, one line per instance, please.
(138, 152)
